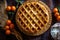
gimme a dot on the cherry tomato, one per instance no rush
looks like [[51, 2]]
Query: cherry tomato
[[55, 10], [6, 27], [8, 8], [56, 14], [58, 18], [11, 26], [13, 8], [8, 32], [8, 22]]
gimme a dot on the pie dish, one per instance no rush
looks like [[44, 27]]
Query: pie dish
[[33, 18]]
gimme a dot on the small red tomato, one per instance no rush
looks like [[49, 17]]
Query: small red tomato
[[6, 27], [56, 14], [8, 8], [8, 22], [58, 18], [13, 8], [8, 32], [11, 26], [55, 10]]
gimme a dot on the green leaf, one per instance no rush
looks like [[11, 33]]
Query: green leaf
[[17, 0], [58, 8]]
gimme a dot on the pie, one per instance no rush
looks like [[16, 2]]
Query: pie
[[33, 18]]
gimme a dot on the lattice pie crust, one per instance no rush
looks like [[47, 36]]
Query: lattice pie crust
[[33, 18]]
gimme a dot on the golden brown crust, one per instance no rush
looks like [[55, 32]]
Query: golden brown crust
[[33, 18]]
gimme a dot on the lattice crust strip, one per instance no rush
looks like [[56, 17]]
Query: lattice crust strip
[[33, 17]]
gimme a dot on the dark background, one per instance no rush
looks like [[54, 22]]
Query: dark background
[[45, 36]]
